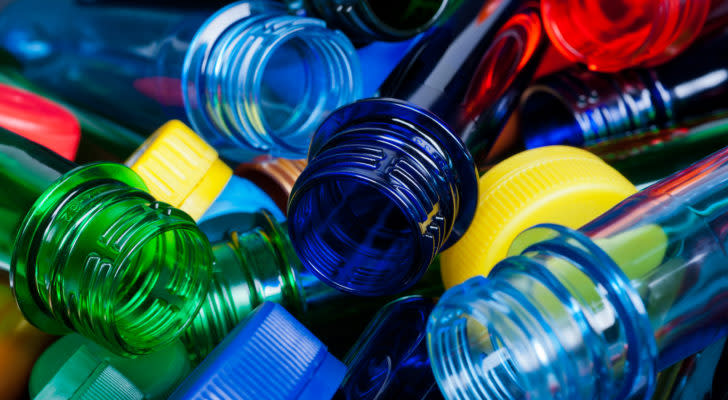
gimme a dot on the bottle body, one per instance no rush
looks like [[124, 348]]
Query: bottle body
[[380, 368], [403, 187], [582, 108], [638, 289], [471, 70], [221, 73]]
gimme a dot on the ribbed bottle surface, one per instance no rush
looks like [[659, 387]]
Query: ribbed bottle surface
[[261, 81], [109, 262], [386, 186]]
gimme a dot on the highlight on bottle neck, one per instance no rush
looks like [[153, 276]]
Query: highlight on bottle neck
[[621, 35], [373, 20], [97, 255], [387, 186], [260, 81]]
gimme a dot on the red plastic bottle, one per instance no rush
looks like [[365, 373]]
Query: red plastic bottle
[[39, 120], [610, 35]]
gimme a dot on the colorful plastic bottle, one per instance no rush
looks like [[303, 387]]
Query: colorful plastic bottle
[[609, 36], [554, 184], [471, 70], [389, 361], [39, 120], [387, 186], [581, 108], [268, 356], [77, 368], [608, 306], [275, 176], [89, 250], [250, 79], [182, 170]]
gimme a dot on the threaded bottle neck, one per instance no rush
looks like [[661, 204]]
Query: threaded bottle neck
[[564, 296], [581, 108], [258, 79], [250, 268], [402, 187], [367, 21], [102, 258]]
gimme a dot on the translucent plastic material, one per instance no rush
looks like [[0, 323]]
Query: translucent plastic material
[[387, 186], [471, 70], [581, 108], [376, 20], [613, 35], [389, 361], [90, 251], [275, 176], [594, 313], [250, 79]]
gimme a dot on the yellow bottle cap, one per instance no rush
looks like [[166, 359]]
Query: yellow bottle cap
[[179, 168], [555, 184]]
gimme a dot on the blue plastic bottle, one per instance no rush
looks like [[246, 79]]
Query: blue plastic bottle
[[386, 187], [594, 313], [389, 361], [250, 79]]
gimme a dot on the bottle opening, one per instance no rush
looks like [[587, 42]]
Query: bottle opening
[[359, 237], [407, 15]]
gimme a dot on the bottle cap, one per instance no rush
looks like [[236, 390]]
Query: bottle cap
[[270, 355], [555, 184], [179, 168], [77, 368], [39, 120]]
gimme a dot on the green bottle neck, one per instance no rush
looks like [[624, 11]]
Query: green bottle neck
[[26, 171]]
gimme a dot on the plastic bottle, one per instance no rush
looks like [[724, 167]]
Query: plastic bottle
[[89, 250], [223, 74], [607, 306], [387, 186], [609, 36], [471, 70], [389, 361], [268, 356], [275, 176], [581, 108]]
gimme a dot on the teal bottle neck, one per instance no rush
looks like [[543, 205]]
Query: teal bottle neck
[[26, 171]]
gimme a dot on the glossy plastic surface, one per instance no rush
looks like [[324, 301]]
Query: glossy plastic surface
[[581, 108], [389, 361], [471, 70], [275, 176], [77, 368], [387, 186], [629, 294], [268, 356], [39, 120], [89, 250], [174, 68], [613, 35]]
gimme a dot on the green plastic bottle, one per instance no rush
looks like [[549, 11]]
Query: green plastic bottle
[[89, 250]]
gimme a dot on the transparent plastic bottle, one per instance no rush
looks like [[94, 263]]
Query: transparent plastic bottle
[[594, 313], [613, 35], [89, 250], [250, 78]]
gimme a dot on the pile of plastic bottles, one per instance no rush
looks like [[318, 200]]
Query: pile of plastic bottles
[[328, 199]]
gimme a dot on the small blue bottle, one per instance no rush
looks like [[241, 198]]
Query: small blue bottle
[[389, 361], [250, 79], [594, 313], [387, 186]]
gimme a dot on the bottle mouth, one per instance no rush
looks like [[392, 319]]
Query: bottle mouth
[[386, 188], [280, 77], [402, 19], [97, 255]]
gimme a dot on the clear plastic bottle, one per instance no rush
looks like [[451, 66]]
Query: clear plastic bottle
[[250, 78]]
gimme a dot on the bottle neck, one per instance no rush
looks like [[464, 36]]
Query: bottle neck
[[26, 171], [233, 72]]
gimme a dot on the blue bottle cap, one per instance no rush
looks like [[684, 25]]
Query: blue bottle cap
[[271, 356]]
